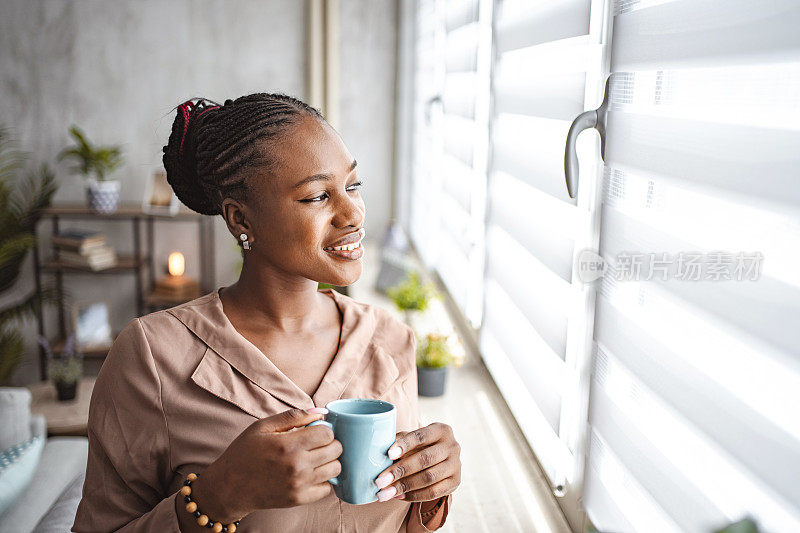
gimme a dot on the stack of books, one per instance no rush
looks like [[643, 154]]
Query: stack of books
[[84, 248]]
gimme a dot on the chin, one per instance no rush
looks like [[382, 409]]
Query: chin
[[349, 280], [343, 279]]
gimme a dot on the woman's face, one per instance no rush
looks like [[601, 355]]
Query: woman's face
[[293, 219]]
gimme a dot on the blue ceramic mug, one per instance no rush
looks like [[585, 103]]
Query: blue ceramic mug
[[366, 429]]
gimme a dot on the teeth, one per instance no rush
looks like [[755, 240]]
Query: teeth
[[347, 247]]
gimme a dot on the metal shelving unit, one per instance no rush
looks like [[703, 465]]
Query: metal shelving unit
[[134, 263]]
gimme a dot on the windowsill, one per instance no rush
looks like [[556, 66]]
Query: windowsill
[[502, 487]]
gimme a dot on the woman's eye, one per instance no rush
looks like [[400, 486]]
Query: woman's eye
[[322, 196], [316, 198]]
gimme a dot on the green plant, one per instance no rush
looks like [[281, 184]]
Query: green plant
[[68, 367], [21, 204], [411, 294], [745, 525], [434, 351], [97, 160], [66, 371]]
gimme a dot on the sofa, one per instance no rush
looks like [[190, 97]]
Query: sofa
[[49, 500]]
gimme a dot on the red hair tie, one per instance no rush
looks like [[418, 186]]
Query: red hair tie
[[186, 109]]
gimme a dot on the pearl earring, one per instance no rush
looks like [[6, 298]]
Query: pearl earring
[[245, 242]]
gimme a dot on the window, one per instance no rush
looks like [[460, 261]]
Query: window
[[448, 188], [696, 389], [657, 401]]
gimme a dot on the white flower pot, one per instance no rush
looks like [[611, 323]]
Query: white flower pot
[[102, 196]]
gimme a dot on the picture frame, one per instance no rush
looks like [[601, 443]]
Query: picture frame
[[91, 322], [159, 198]]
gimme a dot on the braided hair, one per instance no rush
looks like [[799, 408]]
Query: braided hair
[[211, 145]]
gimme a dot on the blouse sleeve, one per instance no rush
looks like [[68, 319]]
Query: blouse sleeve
[[128, 444], [433, 520]]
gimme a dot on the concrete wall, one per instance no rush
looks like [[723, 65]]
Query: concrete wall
[[366, 94], [117, 68]]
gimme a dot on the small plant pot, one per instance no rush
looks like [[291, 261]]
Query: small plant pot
[[430, 381], [102, 196], [66, 391]]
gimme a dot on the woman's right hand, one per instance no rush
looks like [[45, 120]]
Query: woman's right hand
[[274, 462]]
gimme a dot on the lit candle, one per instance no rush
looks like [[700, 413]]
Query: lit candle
[[176, 264]]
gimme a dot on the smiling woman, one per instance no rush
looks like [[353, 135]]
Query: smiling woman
[[198, 415]]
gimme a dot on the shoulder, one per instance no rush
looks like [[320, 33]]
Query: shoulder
[[390, 331], [149, 332], [391, 336], [396, 339], [152, 339], [168, 326]]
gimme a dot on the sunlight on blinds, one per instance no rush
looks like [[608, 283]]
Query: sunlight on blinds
[[544, 52], [696, 384], [698, 482], [453, 63]]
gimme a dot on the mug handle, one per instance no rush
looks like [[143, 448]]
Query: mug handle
[[334, 480]]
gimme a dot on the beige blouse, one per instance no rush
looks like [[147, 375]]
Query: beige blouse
[[179, 385]]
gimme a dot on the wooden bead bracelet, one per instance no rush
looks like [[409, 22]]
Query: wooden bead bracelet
[[203, 520]]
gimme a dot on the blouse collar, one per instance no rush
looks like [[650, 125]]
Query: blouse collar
[[205, 317]]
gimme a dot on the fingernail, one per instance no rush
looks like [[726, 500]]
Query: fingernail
[[394, 452], [384, 480], [387, 494], [317, 410]]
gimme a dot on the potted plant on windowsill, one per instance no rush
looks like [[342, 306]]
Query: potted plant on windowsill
[[95, 164], [412, 298], [65, 371], [435, 354]]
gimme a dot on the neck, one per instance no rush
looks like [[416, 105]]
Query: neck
[[274, 300]]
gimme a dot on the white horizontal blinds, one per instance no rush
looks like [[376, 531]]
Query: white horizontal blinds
[[543, 52], [462, 161], [696, 389], [426, 181], [449, 179]]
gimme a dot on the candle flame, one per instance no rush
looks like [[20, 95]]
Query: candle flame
[[176, 264]]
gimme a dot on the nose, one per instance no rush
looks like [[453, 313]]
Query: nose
[[348, 211]]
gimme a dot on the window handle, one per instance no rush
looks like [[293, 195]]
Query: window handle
[[436, 99], [595, 118]]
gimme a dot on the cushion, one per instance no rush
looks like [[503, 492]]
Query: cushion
[[17, 466], [61, 516], [63, 459], [15, 412]]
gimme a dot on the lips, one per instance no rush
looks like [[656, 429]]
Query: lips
[[347, 239]]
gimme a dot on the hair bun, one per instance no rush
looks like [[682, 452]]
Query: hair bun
[[180, 160], [228, 102]]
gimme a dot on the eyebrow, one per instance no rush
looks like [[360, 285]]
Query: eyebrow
[[322, 177]]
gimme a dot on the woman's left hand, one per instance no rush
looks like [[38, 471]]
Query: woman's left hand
[[427, 465]]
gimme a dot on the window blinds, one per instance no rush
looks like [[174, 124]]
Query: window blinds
[[425, 182], [695, 399], [545, 53], [454, 58]]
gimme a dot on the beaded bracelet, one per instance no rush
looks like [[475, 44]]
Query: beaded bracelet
[[202, 519]]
